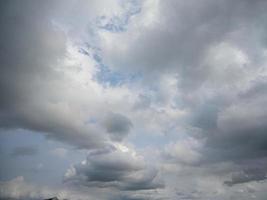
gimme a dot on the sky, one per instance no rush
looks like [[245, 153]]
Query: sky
[[133, 99]]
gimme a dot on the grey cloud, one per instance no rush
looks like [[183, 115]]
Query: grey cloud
[[217, 53], [216, 50], [31, 86], [183, 152], [25, 151], [143, 102], [249, 170], [175, 45], [117, 125], [141, 196], [17, 188], [247, 176], [241, 126], [118, 169], [20, 189]]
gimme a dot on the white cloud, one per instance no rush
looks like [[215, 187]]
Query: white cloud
[[183, 151]]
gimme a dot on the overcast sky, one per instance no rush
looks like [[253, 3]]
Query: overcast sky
[[133, 99]]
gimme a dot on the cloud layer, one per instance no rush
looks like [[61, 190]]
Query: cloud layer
[[166, 97]]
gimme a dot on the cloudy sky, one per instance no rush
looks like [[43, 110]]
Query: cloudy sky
[[133, 99]]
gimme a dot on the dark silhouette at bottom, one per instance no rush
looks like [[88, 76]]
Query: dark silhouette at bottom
[[54, 198]]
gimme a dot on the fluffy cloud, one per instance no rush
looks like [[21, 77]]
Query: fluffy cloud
[[46, 84], [169, 43], [117, 167], [180, 84]]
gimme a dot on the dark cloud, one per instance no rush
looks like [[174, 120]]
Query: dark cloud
[[240, 130], [31, 85], [249, 170], [247, 176], [25, 151], [117, 125], [116, 168]]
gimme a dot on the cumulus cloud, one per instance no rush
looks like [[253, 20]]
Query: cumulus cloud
[[180, 85], [46, 84], [117, 167], [218, 55], [27, 73], [168, 43]]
